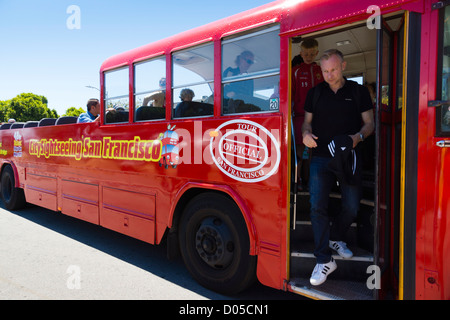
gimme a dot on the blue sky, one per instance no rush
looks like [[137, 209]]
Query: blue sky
[[40, 54]]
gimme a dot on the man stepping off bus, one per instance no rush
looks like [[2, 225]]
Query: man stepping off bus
[[338, 116]]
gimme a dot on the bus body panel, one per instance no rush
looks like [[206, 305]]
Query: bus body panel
[[433, 200], [112, 176]]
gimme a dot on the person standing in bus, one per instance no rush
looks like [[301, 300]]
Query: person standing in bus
[[338, 116], [305, 76], [93, 112]]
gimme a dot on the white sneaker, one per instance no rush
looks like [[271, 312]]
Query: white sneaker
[[321, 271], [341, 248]]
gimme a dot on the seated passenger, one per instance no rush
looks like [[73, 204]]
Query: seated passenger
[[116, 114], [158, 97], [187, 95], [93, 112], [236, 90]]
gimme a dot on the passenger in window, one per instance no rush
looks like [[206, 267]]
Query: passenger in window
[[157, 97], [236, 90], [304, 76], [187, 95], [93, 112], [208, 99]]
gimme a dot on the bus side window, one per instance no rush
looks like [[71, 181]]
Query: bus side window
[[443, 81], [251, 72], [193, 82], [116, 96], [150, 90]]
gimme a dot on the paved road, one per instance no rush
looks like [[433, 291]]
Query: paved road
[[47, 255]]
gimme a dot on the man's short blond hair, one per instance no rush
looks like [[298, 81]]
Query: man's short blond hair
[[332, 52]]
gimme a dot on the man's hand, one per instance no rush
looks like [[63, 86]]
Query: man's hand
[[309, 140], [356, 139]]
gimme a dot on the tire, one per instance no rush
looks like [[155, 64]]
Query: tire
[[13, 198], [214, 244]]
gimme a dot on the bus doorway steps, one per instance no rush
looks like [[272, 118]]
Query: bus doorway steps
[[351, 274], [348, 281], [303, 262], [331, 289], [361, 233]]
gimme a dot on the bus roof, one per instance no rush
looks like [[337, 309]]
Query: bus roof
[[316, 12]]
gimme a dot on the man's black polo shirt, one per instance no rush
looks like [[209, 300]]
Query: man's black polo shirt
[[338, 113]]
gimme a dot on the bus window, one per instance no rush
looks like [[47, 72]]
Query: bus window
[[116, 96], [193, 82], [150, 89], [250, 72], [443, 121]]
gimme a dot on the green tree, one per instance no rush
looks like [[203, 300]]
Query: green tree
[[73, 112], [27, 107], [3, 107]]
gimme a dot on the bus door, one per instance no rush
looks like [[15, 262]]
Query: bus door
[[374, 56], [359, 46], [402, 186], [388, 132]]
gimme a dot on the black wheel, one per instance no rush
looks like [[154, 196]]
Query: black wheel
[[12, 197], [215, 245]]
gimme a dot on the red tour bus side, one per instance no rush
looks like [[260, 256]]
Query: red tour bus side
[[196, 145]]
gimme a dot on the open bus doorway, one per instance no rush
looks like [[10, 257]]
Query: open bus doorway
[[374, 59]]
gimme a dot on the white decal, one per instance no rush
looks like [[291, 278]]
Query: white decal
[[17, 145], [245, 151]]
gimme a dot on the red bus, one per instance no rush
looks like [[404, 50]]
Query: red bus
[[229, 203]]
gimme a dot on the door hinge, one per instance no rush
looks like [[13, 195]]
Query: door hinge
[[437, 103]]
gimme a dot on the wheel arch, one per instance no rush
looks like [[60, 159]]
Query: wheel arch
[[191, 190], [14, 169]]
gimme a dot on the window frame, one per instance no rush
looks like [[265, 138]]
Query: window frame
[[210, 83], [272, 72], [163, 59], [107, 98]]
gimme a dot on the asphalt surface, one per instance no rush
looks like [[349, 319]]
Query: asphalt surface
[[45, 255]]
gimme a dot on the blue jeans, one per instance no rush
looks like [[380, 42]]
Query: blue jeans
[[321, 182]]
